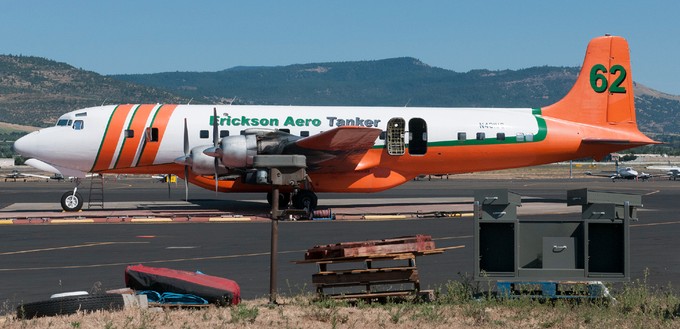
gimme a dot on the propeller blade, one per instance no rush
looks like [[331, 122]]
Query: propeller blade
[[215, 142], [186, 138], [186, 183], [186, 157]]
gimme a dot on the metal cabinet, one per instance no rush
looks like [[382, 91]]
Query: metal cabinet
[[594, 246]]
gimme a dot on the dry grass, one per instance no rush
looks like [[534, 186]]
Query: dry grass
[[637, 307]]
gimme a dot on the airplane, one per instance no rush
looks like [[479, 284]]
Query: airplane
[[347, 149], [673, 172], [622, 173], [19, 175]]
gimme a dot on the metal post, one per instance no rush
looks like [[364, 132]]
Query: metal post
[[274, 245]]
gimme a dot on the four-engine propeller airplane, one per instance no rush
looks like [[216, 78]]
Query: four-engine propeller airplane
[[347, 149]]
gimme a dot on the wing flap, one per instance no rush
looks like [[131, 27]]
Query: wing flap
[[339, 149]]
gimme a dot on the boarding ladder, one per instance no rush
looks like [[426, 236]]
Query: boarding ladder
[[96, 192]]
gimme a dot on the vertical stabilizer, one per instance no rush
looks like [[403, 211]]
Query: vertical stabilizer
[[603, 92]]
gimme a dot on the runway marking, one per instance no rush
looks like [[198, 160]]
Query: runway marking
[[66, 247], [176, 260], [653, 192], [655, 224]]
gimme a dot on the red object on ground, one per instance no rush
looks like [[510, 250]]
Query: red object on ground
[[214, 289]]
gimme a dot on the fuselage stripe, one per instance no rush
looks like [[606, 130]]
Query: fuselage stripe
[[131, 144], [107, 148], [160, 121]]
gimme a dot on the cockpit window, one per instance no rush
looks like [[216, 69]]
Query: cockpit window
[[78, 125], [62, 122]]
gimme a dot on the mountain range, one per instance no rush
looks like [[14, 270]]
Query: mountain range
[[35, 91]]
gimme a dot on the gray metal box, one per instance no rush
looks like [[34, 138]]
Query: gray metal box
[[499, 212], [585, 196], [497, 197], [606, 211]]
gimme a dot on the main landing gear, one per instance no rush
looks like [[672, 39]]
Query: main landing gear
[[302, 199]]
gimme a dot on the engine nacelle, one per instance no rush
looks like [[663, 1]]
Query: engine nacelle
[[238, 151], [202, 164]]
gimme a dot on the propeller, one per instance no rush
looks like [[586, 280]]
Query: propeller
[[215, 143], [186, 158]]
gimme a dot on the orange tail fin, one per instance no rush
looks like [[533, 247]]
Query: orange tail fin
[[603, 92]]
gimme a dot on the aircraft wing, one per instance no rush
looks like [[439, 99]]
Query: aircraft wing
[[36, 176], [339, 149]]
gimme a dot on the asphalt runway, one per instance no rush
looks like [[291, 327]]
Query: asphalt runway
[[39, 260]]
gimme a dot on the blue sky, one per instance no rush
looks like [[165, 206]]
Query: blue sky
[[112, 37]]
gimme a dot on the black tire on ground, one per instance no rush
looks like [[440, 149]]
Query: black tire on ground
[[305, 199], [70, 305], [71, 202], [284, 199]]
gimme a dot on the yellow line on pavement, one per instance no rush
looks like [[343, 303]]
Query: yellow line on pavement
[[71, 221], [150, 220], [229, 219]]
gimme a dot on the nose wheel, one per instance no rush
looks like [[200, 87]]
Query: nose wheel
[[71, 201]]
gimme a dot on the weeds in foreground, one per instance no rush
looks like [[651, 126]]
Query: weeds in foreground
[[244, 314]]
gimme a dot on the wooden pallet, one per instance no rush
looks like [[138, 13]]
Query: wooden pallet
[[418, 243]]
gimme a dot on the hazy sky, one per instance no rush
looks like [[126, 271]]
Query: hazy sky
[[125, 36]]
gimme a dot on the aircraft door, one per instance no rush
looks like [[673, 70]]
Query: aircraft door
[[417, 137], [395, 136]]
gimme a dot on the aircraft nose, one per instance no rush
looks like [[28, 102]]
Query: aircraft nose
[[26, 146]]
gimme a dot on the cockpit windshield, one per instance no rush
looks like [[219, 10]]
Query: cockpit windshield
[[63, 122]]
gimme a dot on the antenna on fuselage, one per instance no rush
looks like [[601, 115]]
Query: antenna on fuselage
[[189, 102], [409, 101], [104, 102]]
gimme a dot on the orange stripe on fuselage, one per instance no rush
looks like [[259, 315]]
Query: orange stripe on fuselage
[[111, 137], [138, 124], [150, 149]]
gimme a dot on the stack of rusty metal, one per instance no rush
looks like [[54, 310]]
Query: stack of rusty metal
[[418, 244], [374, 281]]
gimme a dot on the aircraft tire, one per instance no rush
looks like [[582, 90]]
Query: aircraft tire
[[305, 199], [70, 305], [71, 202]]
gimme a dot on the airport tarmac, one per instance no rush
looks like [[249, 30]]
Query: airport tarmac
[[42, 259]]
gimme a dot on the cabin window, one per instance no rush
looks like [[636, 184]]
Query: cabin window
[[78, 124], [520, 137], [151, 134], [285, 130], [417, 136], [500, 136], [224, 133], [242, 132], [304, 133], [129, 133], [395, 136], [462, 136], [480, 136], [383, 135], [529, 137], [204, 134]]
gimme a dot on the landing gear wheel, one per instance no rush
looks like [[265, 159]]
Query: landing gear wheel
[[284, 199], [71, 201], [305, 199]]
